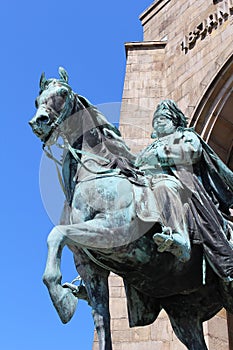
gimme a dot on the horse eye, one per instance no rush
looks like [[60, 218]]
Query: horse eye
[[59, 103], [63, 92]]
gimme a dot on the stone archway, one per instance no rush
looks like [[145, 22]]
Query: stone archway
[[213, 117], [213, 120]]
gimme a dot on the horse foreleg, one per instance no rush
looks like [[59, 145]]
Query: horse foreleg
[[63, 299], [98, 293], [102, 324]]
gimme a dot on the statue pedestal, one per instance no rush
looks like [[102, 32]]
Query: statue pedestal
[[159, 335]]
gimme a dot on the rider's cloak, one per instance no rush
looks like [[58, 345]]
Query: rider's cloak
[[208, 185], [211, 187]]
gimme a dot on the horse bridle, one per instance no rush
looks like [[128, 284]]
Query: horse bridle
[[70, 98], [60, 117]]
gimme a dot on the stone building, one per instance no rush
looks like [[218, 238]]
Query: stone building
[[186, 55]]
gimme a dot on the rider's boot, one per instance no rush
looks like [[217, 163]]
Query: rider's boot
[[172, 242]]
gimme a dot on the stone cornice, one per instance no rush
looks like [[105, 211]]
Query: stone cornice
[[145, 45], [152, 10]]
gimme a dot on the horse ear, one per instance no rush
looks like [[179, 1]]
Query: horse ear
[[63, 74], [42, 81]]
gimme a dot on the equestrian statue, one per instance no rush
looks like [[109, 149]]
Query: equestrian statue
[[159, 219]]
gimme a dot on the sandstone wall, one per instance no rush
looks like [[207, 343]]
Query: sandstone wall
[[159, 68]]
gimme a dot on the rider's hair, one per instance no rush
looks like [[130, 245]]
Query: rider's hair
[[172, 111]]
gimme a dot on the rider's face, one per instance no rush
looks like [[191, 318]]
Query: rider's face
[[163, 125]]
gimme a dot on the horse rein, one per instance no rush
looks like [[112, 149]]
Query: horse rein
[[55, 124]]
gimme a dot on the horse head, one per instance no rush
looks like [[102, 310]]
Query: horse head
[[55, 103], [62, 112]]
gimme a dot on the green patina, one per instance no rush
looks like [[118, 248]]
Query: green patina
[[150, 218]]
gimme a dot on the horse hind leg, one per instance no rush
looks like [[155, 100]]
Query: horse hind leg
[[189, 332], [188, 328], [226, 293]]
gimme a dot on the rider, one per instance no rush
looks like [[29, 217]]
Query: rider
[[203, 183], [169, 192]]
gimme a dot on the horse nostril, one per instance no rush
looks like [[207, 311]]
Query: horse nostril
[[42, 119]]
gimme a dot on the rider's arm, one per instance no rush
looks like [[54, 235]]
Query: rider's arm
[[148, 156], [184, 149]]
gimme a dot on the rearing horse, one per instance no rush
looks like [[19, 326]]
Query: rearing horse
[[107, 231]]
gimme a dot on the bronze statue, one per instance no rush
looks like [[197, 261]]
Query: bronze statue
[[115, 220], [203, 183]]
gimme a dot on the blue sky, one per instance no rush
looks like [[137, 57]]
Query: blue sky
[[87, 38]]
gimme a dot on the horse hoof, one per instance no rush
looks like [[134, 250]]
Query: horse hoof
[[64, 302], [67, 306]]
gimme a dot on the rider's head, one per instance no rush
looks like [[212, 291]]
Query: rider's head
[[167, 117]]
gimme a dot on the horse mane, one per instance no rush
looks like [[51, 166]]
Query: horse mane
[[116, 149]]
